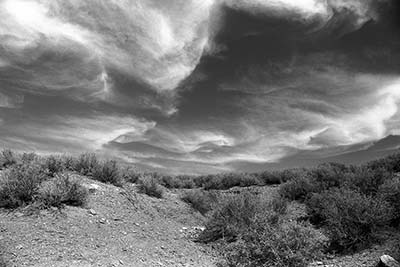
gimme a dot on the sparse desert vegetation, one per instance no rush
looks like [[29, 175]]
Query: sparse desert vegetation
[[3, 262], [149, 185], [28, 183], [309, 213], [63, 189], [201, 200]]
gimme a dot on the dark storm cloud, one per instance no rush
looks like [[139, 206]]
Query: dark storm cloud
[[197, 85], [287, 86]]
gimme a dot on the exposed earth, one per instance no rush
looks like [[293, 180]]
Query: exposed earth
[[115, 228], [119, 227]]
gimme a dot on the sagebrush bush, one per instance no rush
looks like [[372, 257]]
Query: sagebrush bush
[[366, 180], [390, 192], [68, 162], [179, 181], [19, 184], [279, 204], [202, 201], [130, 175], [390, 163], [149, 185], [7, 158], [86, 163], [396, 249], [225, 181], [273, 243], [27, 158], [107, 172], [297, 189], [53, 165], [62, 190], [269, 178], [328, 175], [3, 262], [350, 218], [233, 214]]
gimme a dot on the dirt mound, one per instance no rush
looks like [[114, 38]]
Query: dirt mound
[[118, 227]]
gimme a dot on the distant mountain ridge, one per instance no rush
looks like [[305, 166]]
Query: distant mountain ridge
[[354, 154]]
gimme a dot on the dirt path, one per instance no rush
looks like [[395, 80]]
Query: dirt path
[[110, 231]]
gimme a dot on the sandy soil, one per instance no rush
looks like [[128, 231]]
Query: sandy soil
[[116, 228], [119, 227]]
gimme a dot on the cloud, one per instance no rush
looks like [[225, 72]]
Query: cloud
[[302, 8], [312, 102], [158, 43], [144, 38], [354, 12], [72, 134], [195, 83], [10, 101]]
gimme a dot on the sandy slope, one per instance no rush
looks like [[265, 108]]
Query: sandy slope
[[111, 231], [121, 228]]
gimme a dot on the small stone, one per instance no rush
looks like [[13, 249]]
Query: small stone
[[92, 212], [387, 261], [18, 214], [92, 188]]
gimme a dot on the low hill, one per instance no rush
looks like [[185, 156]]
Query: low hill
[[117, 227], [351, 154]]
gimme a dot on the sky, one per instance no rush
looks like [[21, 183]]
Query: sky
[[198, 86]]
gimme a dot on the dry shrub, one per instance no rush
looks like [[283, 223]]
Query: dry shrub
[[62, 190], [297, 189], [27, 158], [149, 185], [107, 172], [179, 181], [86, 163], [256, 233], [275, 243], [390, 192], [19, 184], [234, 214], [200, 200], [225, 181], [129, 174], [7, 158], [53, 165], [350, 218], [279, 204]]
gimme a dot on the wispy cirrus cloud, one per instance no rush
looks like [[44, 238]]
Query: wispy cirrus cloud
[[142, 38], [10, 101], [71, 134], [193, 84]]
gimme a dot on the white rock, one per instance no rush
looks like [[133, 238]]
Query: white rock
[[92, 188], [387, 261], [92, 212]]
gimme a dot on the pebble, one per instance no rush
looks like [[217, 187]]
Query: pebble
[[92, 212]]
